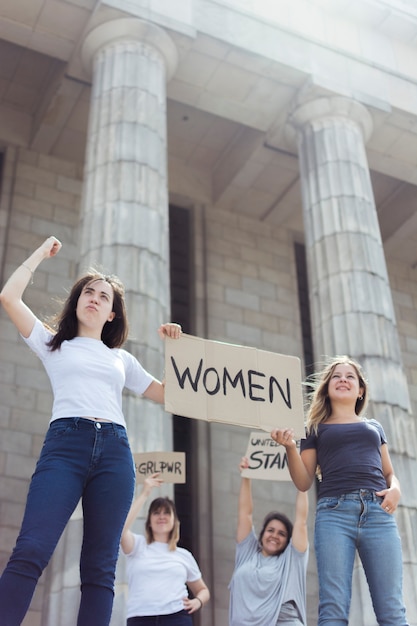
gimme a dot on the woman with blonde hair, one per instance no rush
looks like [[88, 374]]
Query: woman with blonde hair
[[358, 493]]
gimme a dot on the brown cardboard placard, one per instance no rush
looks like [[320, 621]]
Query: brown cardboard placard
[[267, 458], [170, 465], [231, 384]]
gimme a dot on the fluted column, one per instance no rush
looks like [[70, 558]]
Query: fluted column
[[350, 295], [124, 221]]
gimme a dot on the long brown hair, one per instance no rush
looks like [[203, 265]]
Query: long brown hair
[[114, 333], [168, 506], [320, 406]]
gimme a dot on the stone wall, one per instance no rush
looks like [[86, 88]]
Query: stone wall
[[41, 196]]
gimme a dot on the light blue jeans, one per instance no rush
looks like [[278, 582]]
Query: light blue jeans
[[346, 524], [79, 459]]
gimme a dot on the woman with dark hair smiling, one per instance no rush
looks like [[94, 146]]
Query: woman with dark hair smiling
[[86, 452], [268, 585]]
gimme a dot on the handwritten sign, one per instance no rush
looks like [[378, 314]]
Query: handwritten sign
[[222, 382], [267, 459], [170, 465]]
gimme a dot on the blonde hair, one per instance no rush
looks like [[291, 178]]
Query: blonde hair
[[320, 407]]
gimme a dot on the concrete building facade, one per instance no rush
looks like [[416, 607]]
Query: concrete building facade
[[249, 169]]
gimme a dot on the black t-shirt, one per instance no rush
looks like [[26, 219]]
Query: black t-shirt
[[349, 456]]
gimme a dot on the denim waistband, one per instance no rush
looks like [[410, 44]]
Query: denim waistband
[[86, 424], [359, 494]]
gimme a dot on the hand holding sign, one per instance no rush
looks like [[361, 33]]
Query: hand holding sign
[[171, 329], [284, 436], [244, 463], [152, 481], [265, 459]]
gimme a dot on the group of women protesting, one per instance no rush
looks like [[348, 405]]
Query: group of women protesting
[[86, 456]]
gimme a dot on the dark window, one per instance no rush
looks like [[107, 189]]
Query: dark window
[[180, 240], [304, 304]]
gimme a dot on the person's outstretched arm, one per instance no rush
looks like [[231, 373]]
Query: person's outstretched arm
[[127, 540], [245, 506], [156, 390], [11, 295], [300, 530], [302, 466]]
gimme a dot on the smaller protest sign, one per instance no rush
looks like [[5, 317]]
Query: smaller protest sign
[[267, 458], [170, 465]]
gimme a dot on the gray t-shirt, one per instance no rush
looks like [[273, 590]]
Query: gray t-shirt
[[260, 585]]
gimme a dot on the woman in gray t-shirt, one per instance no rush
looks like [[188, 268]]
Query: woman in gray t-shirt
[[268, 585]]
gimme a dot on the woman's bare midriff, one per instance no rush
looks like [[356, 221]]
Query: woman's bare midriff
[[95, 419]]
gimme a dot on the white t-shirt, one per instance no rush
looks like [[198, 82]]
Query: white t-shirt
[[157, 578], [87, 377]]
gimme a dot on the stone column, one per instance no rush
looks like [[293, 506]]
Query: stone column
[[124, 216], [124, 231], [350, 295]]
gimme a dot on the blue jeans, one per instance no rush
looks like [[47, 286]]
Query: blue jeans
[[182, 618], [79, 459], [346, 524]]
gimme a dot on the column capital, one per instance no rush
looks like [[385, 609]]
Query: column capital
[[132, 29], [330, 108]]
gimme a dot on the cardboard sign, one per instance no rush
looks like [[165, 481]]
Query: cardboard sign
[[222, 382], [170, 465], [267, 459]]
